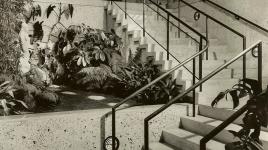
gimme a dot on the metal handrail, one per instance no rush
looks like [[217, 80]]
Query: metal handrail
[[173, 24], [238, 17], [225, 26], [213, 73], [215, 20], [225, 123], [182, 64], [177, 19]]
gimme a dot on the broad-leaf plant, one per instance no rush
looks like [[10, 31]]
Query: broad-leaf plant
[[255, 117]]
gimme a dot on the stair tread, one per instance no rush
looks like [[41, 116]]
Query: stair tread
[[220, 114], [193, 138], [160, 146], [214, 123]]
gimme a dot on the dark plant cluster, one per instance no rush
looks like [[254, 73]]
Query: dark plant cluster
[[255, 117], [25, 94]]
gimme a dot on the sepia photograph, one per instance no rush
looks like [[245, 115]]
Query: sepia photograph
[[133, 75]]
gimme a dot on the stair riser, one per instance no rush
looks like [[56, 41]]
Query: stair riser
[[204, 129], [179, 142]]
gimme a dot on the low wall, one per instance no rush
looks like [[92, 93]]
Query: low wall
[[84, 130]]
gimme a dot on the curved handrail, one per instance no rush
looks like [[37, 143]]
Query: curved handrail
[[237, 16], [225, 123], [174, 100]]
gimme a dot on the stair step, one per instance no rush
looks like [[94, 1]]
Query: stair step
[[203, 125], [160, 146], [220, 114], [186, 140]]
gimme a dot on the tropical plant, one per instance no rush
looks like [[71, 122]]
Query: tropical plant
[[20, 96], [66, 10], [82, 47], [255, 117], [138, 74]]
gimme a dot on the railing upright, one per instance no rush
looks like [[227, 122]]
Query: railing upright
[[194, 89], [244, 58], [207, 36], [260, 63], [143, 18], [179, 14], [113, 128], [125, 9], [200, 61], [167, 36]]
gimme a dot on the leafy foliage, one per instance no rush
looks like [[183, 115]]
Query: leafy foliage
[[243, 88], [95, 78], [83, 47], [135, 76], [17, 97], [9, 29], [255, 117]]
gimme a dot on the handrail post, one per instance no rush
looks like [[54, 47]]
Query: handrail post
[[113, 128], [157, 9], [260, 63], [200, 62], [143, 18], [203, 145], [146, 135], [179, 16], [194, 89], [125, 9], [167, 36], [244, 58], [207, 36]]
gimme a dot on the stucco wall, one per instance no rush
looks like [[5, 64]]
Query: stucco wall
[[84, 130], [89, 12], [256, 11]]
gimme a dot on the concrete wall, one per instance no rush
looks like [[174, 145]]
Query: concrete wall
[[89, 12], [84, 130]]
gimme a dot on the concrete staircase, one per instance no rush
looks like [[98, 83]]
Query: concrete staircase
[[191, 130]]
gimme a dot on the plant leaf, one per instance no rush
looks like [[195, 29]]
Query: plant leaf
[[254, 84], [79, 61], [5, 83], [235, 98], [84, 62], [234, 133], [38, 10], [50, 9], [22, 103], [244, 90], [71, 9], [218, 98], [102, 56]]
